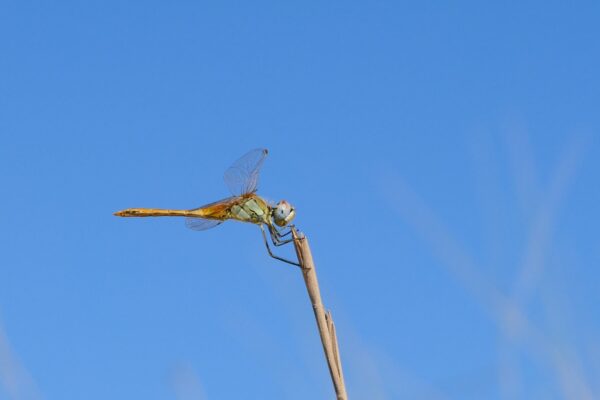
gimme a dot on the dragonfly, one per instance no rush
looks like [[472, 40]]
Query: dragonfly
[[244, 205]]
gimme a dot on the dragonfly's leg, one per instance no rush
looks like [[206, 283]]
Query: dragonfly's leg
[[276, 237], [289, 231], [271, 253], [278, 233], [274, 233], [282, 242]]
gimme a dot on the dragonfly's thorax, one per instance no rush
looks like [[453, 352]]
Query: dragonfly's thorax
[[253, 209]]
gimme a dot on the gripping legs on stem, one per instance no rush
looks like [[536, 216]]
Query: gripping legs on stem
[[277, 237], [276, 244], [279, 234]]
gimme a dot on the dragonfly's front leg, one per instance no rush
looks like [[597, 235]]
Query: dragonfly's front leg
[[289, 231], [277, 233], [269, 248], [276, 236]]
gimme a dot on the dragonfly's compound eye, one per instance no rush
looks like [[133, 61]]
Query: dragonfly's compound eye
[[284, 213]]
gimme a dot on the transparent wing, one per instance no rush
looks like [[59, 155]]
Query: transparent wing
[[201, 224], [242, 176]]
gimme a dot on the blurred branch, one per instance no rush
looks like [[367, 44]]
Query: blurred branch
[[507, 311], [15, 380], [324, 320]]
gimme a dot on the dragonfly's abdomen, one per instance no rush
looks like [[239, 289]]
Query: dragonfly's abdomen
[[152, 212]]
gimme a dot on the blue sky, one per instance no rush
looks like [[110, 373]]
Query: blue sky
[[443, 160]]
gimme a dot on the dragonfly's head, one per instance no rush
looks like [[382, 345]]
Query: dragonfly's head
[[283, 213]]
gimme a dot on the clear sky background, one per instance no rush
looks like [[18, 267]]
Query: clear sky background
[[443, 160]]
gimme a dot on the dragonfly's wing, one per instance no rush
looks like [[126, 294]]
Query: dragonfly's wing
[[201, 224], [269, 201], [216, 213], [242, 176]]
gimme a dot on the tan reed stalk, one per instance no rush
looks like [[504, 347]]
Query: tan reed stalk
[[324, 319]]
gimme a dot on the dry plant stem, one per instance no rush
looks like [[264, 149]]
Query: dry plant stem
[[324, 320]]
